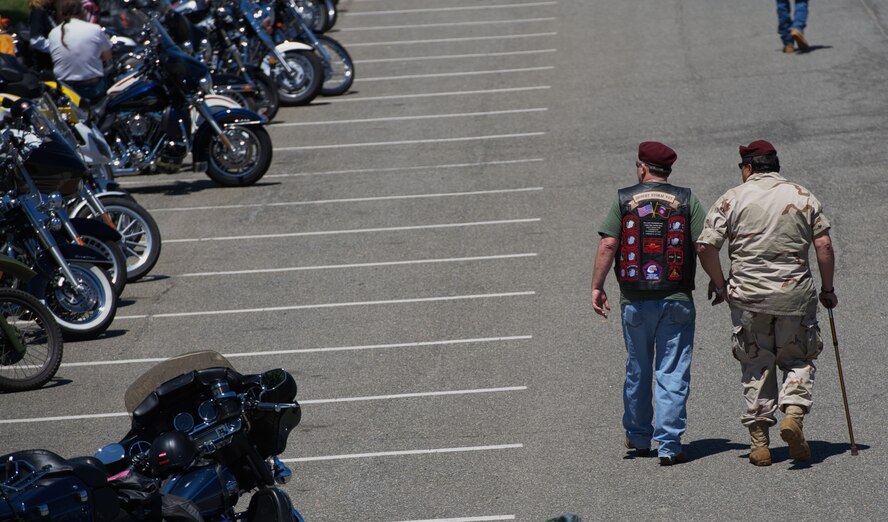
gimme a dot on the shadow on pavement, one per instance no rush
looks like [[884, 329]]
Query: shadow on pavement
[[820, 451], [183, 188], [813, 48], [55, 382], [699, 449]]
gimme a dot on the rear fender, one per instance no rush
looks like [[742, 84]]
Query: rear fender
[[223, 117]]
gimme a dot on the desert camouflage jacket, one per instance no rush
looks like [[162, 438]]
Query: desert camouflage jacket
[[769, 223]]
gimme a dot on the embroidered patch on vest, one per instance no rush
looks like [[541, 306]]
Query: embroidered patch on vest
[[652, 271], [663, 211], [629, 271], [652, 245], [674, 256], [674, 273], [675, 240]]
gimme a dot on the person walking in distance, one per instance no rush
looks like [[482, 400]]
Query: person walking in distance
[[650, 231], [791, 26], [770, 223]]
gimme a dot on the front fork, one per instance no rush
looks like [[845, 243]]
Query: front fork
[[204, 111], [49, 243]]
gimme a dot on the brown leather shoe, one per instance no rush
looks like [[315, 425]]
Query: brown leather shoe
[[791, 432], [788, 48], [760, 456], [800, 39], [639, 452], [679, 458]]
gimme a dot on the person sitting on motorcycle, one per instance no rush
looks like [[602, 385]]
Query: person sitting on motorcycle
[[78, 50]]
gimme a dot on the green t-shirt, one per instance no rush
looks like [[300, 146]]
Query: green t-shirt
[[612, 225]]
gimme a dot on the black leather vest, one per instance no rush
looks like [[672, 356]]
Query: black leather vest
[[656, 249]]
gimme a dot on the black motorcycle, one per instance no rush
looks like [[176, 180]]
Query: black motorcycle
[[203, 436], [147, 120], [71, 279]]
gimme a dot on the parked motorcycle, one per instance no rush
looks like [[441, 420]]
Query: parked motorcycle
[[30, 339], [146, 118], [339, 70], [203, 436], [71, 281]]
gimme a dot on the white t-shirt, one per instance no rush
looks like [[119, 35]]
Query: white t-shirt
[[81, 60]]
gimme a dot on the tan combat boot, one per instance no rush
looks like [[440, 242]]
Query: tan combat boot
[[759, 453], [791, 432]]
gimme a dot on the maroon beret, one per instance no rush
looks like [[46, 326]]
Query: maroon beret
[[757, 148], [655, 153]]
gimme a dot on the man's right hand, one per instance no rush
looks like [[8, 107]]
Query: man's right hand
[[829, 299], [599, 302]]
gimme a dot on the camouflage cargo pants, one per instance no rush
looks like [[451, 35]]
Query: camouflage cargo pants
[[763, 343]]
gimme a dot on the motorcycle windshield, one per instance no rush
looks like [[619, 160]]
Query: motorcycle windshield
[[168, 369]]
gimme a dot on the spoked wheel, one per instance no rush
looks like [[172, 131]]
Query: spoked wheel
[[266, 95], [30, 342], [304, 83], [246, 162], [85, 308], [339, 71], [141, 237]]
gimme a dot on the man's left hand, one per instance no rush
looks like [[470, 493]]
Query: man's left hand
[[719, 294]]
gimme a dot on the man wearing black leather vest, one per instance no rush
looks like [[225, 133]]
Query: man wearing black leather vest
[[648, 237]]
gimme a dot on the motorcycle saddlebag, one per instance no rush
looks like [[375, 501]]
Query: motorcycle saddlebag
[[270, 505], [57, 489]]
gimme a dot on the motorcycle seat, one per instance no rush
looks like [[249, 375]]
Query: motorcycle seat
[[39, 458], [90, 470]]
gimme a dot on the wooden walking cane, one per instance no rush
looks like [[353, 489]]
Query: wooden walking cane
[[832, 326]]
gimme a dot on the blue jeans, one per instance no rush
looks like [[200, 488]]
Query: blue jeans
[[785, 21], [659, 337]]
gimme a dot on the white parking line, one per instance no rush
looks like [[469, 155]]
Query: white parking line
[[412, 142], [410, 118], [436, 94], [315, 401], [416, 395], [405, 452], [296, 351], [454, 40], [352, 14], [466, 519], [355, 231], [448, 24], [351, 200], [328, 305], [165, 181], [359, 265], [455, 56], [457, 74]]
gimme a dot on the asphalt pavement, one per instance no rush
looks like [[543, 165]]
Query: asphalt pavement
[[419, 257]]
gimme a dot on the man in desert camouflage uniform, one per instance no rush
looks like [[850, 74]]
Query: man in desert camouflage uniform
[[770, 224]]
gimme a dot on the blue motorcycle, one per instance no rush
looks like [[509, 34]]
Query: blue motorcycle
[[203, 436], [155, 115]]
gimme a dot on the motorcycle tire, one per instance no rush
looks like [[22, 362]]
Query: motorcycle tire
[[332, 14], [113, 251], [339, 71], [307, 85], [34, 325], [245, 165], [266, 97], [141, 237], [81, 315]]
